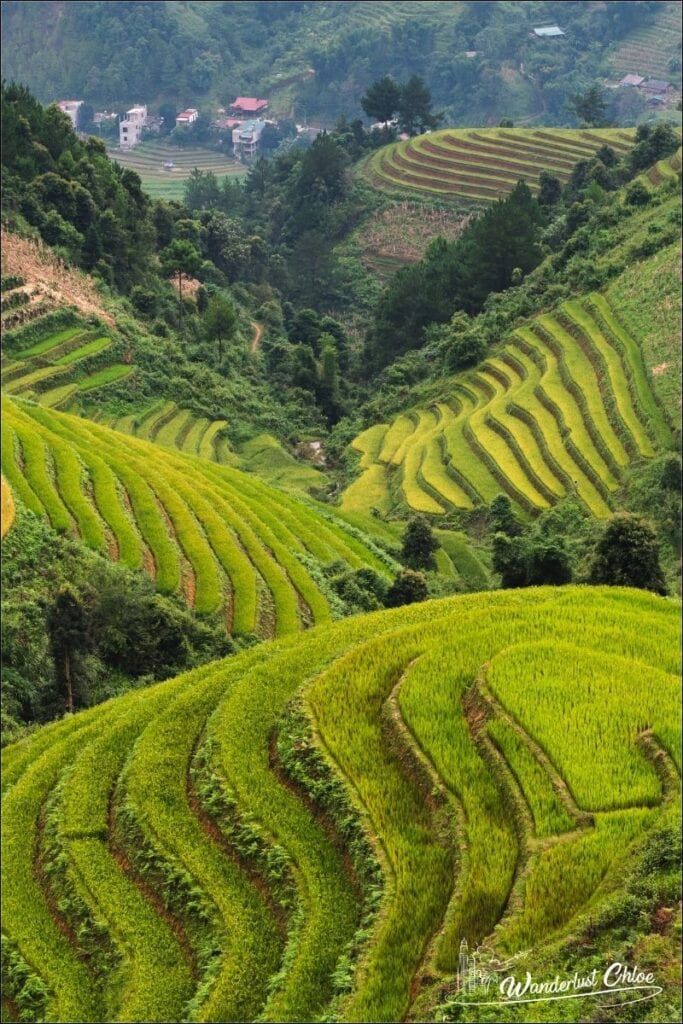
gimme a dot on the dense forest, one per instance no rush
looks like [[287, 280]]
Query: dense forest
[[481, 60]]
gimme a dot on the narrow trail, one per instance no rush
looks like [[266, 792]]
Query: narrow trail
[[256, 338]]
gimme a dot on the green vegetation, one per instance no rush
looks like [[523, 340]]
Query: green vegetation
[[160, 182], [430, 751], [480, 165], [220, 538]]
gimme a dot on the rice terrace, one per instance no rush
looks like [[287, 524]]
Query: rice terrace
[[164, 169], [194, 879]]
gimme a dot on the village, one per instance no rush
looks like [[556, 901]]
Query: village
[[245, 123]]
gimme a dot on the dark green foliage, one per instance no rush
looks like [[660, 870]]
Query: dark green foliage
[[419, 544], [93, 209], [590, 107], [78, 629], [501, 517], [627, 555], [653, 144], [361, 590], [381, 100], [526, 561], [511, 560], [550, 189], [637, 194], [415, 114], [494, 250], [408, 588], [220, 322]]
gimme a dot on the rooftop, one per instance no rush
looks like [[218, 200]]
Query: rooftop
[[548, 30], [657, 85], [632, 80], [249, 103]]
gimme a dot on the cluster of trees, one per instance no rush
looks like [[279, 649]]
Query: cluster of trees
[[625, 553], [87, 50], [77, 629], [410, 104], [91, 209], [496, 250]]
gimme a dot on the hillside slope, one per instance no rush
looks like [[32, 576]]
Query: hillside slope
[[481, 165], [232, 843], [229, 544]]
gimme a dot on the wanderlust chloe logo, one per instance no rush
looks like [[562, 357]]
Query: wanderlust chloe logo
[[490, 985]]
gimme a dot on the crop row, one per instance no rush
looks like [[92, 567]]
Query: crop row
[[212, 533], [562, 408], [432, 754], [485, 164]]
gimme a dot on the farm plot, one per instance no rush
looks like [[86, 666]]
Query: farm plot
[[563, 407], [648, 50], [227, 543], [479, 166], [164, 169], [308, 830], [55, 365]]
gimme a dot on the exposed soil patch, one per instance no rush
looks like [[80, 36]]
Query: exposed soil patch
[[47, 275]]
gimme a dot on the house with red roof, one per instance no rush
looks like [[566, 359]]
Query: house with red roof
[[187, 117], [248, 105]]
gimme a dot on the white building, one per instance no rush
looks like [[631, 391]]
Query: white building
[[246, 138], [130, 129], [187, 117], [71, 108]]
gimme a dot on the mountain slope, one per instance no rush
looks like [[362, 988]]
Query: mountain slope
[[229, 544], [226, 845]]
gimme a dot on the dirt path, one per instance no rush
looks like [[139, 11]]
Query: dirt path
[[256, 338]]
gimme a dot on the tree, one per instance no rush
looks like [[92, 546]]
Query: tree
[[180, 257], [627, 555], [590, 107], [167, 112], [408, 588], [549, 563], [511, 560], [502, 518], [220, 322], [382, 99], [67, 624], [415, 113], [550, 189], [419, 544], [328, 389]]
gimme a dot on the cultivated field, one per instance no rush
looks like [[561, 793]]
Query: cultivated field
[[229, 544], [648, 50], [148, 160], [562, 408], [227, 845], [54, 357], [480, 165]]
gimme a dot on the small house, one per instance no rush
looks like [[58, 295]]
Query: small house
[[631, 81], [71, 108], [249, 106], [548, 31], [656, 87], [186, 117], [130, 128], [246, 138]]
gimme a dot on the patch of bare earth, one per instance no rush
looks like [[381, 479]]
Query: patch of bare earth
[[47, 276]]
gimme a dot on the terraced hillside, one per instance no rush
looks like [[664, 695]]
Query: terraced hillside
[[53, 364], [563, 407], [481, 165], [148, 159], [226, 845], [649, 50], [663, 170], [8, 510], [229, 544]]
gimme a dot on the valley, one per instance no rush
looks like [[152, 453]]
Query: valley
[[341, 512]]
